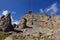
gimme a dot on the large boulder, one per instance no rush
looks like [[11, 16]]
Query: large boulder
[[26, 20], [5, 23]]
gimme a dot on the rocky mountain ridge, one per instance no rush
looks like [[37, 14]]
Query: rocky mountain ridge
[[32, 26], [42, 20]]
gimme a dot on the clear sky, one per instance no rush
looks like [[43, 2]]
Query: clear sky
[[18, 8]]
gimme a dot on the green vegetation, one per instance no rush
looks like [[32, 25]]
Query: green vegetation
[[36, 38], [15, 37], [21, 38], [3, 35], [41, 38]]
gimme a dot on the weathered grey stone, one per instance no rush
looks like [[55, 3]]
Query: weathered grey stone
[[5, 23]]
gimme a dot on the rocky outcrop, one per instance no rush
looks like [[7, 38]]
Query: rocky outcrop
[[33, 26], [26, 20], [5, 23], [40, 23], [41, 20]]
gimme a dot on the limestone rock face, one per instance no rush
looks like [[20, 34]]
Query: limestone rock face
[[29, 18], [41, 23], [5, 23], [26, 20], [35, 19], [41, 20], [55, 20]]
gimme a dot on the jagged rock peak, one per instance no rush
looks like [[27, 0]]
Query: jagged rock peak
[[5, 23]]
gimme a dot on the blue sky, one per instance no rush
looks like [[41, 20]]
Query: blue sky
[[18, 8]]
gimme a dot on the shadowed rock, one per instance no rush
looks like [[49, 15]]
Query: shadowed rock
[[5, 23], [18, 31], [24, 24]]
